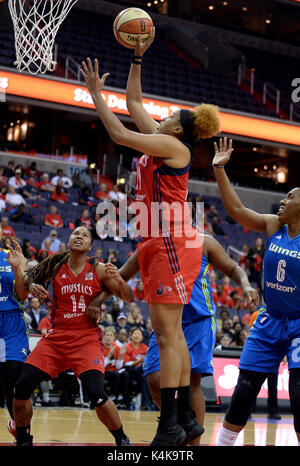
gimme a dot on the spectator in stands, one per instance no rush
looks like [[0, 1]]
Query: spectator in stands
[[147, 332], [2, 205], [31, 262], [122, 337], [9, 170], [30, 190], [212, 213], [6, 242], [7, 230], [36, 313], [45, 322], [223, 315], [3, 191], [43, 253], [3, 178], [116, 376], [84, 219], [45, 248], [32, 170], [45, 184], [135, 318], [227, 288], [101, 193], [239, 338], [217, 229], [14, 199], [255, 256], [121, 323], [59, 195], [26, 247], [86, 196], [225, 341], [243, 259], [20, 214], [17, 181], [219, 336], [62, 247], [105, 319], [236, 303], [76, 180], [113, 258], [99, 254], [220, 296], [86, 177], [54, 241], [139, 292], [207, 227], [133, 359], [227, 328], [66, 181], [53, 219], [115, 194]]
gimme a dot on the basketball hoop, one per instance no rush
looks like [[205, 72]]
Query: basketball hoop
[[36, 23]]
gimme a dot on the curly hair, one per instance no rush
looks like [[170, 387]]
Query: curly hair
[[206, 121], [45, 271]]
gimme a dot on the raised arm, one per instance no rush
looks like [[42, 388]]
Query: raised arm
[[134, 97], [115, 284], [159, 145], [263, 223]]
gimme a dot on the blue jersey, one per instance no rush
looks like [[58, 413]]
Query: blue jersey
[[201, 303], [281, 288], [8, 298]]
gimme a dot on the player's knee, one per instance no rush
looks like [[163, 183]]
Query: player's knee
[[153, 381], [248, 386], [24, 388], [93, 382], [294, 391]]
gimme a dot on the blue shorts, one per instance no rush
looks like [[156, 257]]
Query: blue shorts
[[270, 339], [200, 337], [14, 342]]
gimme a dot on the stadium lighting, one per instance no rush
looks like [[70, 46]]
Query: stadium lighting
[[211, 7]]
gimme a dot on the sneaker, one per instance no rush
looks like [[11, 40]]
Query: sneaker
[[28, 442], [169, 437], [192, 429], [11, 425], [125, 442]]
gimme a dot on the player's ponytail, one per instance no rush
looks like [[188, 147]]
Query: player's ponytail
[[45, 271], [201, 123]]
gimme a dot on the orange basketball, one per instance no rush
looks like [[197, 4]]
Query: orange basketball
[[129, 24]]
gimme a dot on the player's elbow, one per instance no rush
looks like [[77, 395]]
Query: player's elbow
[[119, 136]]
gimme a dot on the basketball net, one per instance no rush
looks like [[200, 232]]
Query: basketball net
[[36, 23]]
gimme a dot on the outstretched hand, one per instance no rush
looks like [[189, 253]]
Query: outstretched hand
[[91, 76], [15, 255], [222, 152], [142, 47]]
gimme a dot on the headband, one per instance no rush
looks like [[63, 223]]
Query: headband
[[187, 123]]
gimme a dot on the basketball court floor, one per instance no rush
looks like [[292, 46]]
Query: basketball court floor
[[80, 427]]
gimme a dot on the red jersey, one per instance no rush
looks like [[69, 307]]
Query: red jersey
[[71, 296], [133, 354], [159, 184]]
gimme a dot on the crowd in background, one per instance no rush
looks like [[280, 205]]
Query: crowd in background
[[126, 329]]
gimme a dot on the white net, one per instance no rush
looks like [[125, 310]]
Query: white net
[[36, 23]]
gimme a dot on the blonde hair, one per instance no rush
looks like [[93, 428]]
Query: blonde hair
[[206, 121]]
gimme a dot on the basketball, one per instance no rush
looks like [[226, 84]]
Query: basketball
[[130, 23]]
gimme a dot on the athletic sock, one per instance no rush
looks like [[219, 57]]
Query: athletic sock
[[23, 433], [184, 404], [118, 434], [226, 438], [168, 411]]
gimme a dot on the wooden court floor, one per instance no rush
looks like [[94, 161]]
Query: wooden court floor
[[80, 427]]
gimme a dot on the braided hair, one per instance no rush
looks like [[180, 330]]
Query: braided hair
[[45, 271]]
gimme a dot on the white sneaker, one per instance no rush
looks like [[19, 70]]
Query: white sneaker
[[11, 426]]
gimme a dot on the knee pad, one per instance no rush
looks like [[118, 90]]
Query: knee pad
[[248, 386], [93, 382], [28, 380], [294, 391]]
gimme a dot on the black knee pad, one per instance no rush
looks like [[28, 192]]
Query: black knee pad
[[248, 386], [93, 382], [28, 380], [294, 391]]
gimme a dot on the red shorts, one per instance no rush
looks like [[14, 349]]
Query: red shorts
[[60, 350], [169, 267]]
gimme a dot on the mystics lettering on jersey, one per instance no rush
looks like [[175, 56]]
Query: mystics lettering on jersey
[[71, 296], [282, 274]]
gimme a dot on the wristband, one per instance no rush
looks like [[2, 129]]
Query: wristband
[[136, 59], [218, 165]]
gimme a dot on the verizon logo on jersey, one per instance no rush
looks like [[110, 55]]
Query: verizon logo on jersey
[[77, 287]]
